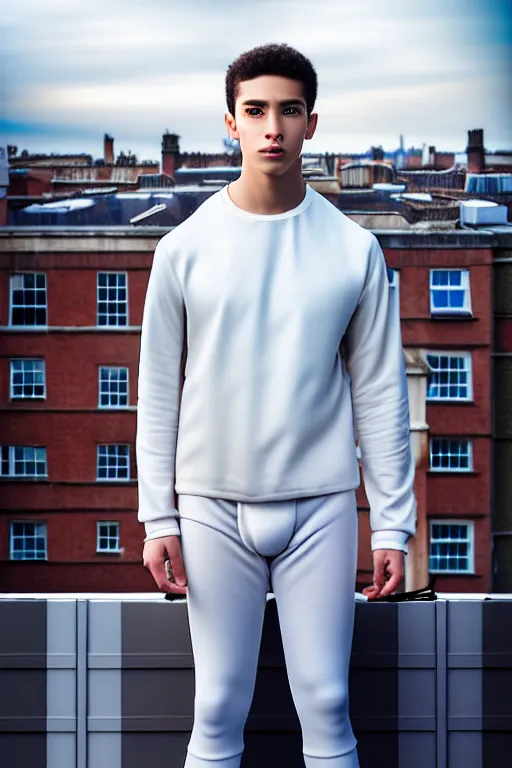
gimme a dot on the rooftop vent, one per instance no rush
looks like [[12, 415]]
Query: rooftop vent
[[482, 213]]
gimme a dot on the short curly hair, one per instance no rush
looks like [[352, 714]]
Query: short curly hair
[[272, 59]]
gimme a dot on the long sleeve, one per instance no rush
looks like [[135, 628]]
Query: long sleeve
[[161, 346], [376, 365]]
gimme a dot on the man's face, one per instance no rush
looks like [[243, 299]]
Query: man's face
[[271, 110]]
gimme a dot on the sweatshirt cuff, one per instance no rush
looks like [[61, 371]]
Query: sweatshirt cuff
[[157, 529], [389, 540]]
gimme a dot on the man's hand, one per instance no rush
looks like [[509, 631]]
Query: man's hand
[[388, 572], [154, 555]]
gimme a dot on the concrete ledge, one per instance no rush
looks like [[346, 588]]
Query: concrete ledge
[[145, 238]]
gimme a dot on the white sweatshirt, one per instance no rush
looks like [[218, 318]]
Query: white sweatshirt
[[289, 336]]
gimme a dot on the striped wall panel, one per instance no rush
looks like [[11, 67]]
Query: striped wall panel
[[109, 683]]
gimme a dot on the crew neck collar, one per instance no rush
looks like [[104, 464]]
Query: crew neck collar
[[305, 203]]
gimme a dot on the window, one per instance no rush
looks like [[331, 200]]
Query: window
[[113, 462], [23, 461], [27, 379], [108, 537], [112, 298], [451, 455], [451, 546], [113, 387], [450, 292], [28, 541], [450, 377], [28, 298]]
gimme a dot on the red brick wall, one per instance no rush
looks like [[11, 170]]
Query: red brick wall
[[71, 438], [168, 164], [72, 379], [35, 182], [444, 160], [75, 577], [69, 423], [72, 534], [71, 283], [451, 495], [414, 162]]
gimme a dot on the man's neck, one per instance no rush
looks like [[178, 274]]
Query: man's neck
[[261, 193]]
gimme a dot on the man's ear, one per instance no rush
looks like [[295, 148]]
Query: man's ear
[[312, 122], [231, 126]]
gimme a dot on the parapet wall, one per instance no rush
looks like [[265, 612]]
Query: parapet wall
[[108, 682]]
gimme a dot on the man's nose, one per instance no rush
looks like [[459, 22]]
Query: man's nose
[[274, 135], [273, 127]]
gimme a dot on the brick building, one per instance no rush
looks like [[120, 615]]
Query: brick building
[[502, 417], [56, 175], [43, 177], [71, 310], [445, 283]]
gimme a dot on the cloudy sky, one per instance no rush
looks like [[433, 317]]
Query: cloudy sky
[[430, 69]]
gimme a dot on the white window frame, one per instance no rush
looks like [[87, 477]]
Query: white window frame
[[106, 449], [116, 538], [15, 277], [115, 302], [466, 356], [22, 361], [463, 442], [464, 286], [470, 540], [110, 369], [40, 530], [395, 282], [8, 454]]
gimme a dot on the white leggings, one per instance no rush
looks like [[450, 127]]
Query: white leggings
[[313, 573]]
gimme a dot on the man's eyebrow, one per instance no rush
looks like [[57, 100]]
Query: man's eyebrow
[[284, 103]]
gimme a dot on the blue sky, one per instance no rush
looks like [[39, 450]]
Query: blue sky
[[70, 71]]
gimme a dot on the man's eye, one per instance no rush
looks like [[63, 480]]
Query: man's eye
[[251, 110], [293, 108]]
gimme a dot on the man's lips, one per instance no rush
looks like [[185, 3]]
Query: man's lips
[[274, 151]]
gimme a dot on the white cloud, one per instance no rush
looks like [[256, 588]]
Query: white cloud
[[429, 70]]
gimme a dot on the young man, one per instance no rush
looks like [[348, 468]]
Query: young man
[[268, 334]]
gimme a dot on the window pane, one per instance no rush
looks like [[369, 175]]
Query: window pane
[[449, 547], [457, 299], [449, 377], [450, 454], [40, 316], [112, 299], [28, 541], [440, 277], [440, 299]]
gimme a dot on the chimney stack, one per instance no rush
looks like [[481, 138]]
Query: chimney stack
[[476, 151], [108, 149], [170, 153]]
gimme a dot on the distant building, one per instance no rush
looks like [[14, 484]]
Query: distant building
[[481, 161], [46, 177], [58, 175]]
